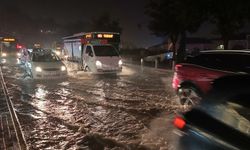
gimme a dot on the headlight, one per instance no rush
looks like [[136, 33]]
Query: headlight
[[98, 64], [39, 69], [18, 54], [4, 54], [3, 61], [63, 68], [58, 53], [120, 62]]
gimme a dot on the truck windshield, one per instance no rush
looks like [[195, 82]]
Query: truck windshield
[[105, 51], [48, 57]]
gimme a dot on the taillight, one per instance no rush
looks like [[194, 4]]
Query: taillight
[[179, 122], [178, 66]]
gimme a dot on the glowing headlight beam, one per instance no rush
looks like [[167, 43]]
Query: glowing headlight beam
[[39, 69], [63, 68]]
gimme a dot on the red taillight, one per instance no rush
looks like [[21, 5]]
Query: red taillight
[[178, 66], [179, 122], [18, 46]]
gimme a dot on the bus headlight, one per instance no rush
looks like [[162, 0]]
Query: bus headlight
[[39, 69], [63, 68], [98, 64], [4, 54], [120, 63]]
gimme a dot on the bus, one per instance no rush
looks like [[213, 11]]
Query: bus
[[9, 46]]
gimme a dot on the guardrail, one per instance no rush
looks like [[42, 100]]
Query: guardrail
[[11, 135]]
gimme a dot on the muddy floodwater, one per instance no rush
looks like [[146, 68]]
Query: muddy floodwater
[[131, 110]]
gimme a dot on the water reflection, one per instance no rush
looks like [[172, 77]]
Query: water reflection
[[41, 92]]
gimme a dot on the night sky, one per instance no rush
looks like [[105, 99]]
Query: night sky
[[129, 12]]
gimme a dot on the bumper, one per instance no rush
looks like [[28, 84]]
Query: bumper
[[50, 75]]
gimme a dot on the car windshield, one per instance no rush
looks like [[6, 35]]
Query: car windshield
[[105, 51], [45, 57]]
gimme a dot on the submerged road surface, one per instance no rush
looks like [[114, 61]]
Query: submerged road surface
[[131, 110]]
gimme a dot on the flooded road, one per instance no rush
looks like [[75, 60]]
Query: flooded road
[[131, 110]]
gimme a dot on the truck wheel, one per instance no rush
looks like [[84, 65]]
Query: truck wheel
[[188, 96], [86, 69]]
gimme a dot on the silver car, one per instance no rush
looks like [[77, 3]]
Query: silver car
[[45, 65]]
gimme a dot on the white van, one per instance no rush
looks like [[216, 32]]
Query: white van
[[101, 59]]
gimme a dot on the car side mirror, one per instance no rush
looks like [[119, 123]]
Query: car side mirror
[[91, 54]]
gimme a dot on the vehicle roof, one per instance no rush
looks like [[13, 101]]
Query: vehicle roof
[[84, 33]]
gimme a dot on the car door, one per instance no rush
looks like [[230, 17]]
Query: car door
[[89, 58]]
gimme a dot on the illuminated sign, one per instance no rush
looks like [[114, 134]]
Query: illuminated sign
[[99, 35], [88, 35], [108, 36], [37, 45], [9, 40]]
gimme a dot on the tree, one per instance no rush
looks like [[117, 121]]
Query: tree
[[105, 23], [229, 16], [173, 18]]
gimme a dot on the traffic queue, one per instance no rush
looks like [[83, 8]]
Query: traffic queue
[[95, 52]]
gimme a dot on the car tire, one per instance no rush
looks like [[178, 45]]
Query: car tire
[[188, 96]]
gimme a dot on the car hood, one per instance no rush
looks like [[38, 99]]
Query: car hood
[[47, 64]]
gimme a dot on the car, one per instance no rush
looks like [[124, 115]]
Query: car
[[44, 64], [192, 79], [221, 121]]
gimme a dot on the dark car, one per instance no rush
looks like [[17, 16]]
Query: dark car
[[220, 122], [192, 79]]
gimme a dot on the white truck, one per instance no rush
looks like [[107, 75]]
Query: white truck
[[97, 52]]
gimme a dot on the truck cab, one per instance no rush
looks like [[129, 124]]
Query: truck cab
[[101, 59]]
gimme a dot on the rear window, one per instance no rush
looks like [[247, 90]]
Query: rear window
[[105, 51]]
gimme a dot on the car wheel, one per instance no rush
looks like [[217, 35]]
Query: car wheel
[[188, 96]]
